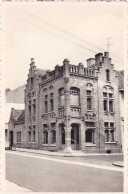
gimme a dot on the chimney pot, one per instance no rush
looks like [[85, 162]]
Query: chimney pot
[[90, 61]]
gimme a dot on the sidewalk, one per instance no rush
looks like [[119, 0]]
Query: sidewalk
[[62, 154], [10, 187]]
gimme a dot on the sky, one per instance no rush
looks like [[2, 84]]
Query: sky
[[51, 32]]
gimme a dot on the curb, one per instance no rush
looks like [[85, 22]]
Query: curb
[[66, 154]]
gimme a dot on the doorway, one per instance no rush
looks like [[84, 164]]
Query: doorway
[[11, 138], [75, 136]]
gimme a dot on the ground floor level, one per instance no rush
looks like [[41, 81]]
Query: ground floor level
[[74, 137]]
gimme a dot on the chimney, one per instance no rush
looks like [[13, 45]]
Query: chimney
[[90, 61], [32, 60], [98, 58], [106, 54]]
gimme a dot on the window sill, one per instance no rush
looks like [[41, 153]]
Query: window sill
[[31, 142], [89, 110], [111, 142], [90, 145], [48, 145]]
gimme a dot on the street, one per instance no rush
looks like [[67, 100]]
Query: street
[[51, 174]]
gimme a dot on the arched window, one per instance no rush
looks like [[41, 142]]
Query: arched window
[[53, 136], [107, 75], [45, 133], [89, 136]]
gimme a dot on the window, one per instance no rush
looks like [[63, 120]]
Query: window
[[29, 107], [89, 136], [34, 109], [108, 100], [31, 81], [29, 136], [89, 104], [74, 90], [110, 95], [90, 124], [52, 94], [19, 136], [111, 106], [34, 137], [106, 124], [88, 92], [46, 106], [29, 101], [51, 87], [109, 132], [61, 97], [112, 135], [104, 94], [51, 105], [45, 137], [53, 134], [53, 125], [106, 135], [105, 105], [107, 75], [46, 96], [6, 132]]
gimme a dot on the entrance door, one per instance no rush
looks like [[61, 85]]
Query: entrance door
[[11, 138], [75, 137]]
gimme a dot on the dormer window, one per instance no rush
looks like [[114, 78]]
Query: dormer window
[[107, 75]]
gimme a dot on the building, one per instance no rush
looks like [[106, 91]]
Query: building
[[16, 127], [73, 107], [14, 100]]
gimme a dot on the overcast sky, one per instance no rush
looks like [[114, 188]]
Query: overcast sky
[[51, 32]]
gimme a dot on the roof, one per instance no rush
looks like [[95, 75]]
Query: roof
[[17, 116], [121, 79], [16, 95], [8, 108]]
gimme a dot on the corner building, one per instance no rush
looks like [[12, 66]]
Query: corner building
[[73, 107]]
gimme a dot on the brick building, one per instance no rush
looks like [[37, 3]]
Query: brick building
[[73, 107]]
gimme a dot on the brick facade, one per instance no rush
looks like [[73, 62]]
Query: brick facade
[[73, 107]]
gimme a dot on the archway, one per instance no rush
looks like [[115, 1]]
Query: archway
[[11, 138], [75, 136]]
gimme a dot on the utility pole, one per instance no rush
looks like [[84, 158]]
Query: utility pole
[[108, 43]]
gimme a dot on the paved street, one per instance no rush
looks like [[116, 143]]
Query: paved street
[[52, 174]]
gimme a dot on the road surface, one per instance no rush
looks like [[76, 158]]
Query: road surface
[[47, 174]]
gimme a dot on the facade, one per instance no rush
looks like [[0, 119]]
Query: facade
[[73, 107]]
